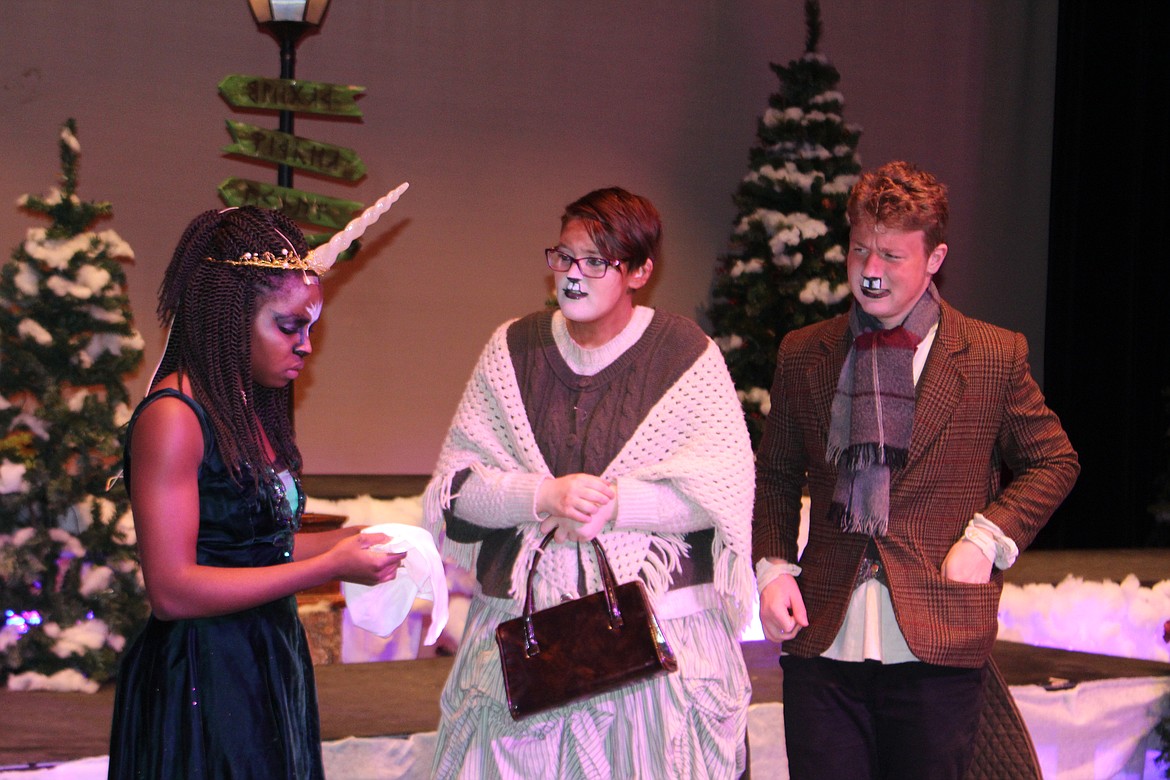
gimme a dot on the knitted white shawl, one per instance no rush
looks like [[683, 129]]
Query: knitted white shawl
[[693, 439]]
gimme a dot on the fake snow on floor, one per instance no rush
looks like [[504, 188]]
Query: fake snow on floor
[[1110, 618]]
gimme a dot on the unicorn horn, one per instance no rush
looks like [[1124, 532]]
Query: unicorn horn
[[323, 257]]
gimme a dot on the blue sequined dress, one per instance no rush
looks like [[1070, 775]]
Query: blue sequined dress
[[230, 696]]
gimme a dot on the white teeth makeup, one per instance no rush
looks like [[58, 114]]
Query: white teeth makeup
[[871, 283], [572, 290]]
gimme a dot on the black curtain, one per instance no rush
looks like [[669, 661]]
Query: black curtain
[[1107, 345]]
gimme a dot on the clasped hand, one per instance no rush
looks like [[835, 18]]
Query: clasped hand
[[357, 562], [782, 612], [576, 506]]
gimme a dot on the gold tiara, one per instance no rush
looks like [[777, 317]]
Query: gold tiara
[[322, 258], [287, 260]]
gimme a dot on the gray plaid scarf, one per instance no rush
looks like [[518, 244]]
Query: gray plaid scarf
[[873, 414]]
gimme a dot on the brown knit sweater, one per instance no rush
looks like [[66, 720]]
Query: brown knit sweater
[[582, 422]]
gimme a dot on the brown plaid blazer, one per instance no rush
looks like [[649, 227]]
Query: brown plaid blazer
[[983, 441]]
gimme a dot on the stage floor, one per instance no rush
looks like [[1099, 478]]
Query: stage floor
[[401, 697]]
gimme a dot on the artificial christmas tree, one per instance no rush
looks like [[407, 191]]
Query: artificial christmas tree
[[786, 265], [70, 587]]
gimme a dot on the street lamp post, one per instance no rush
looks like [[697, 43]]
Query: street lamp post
[[288, 20]]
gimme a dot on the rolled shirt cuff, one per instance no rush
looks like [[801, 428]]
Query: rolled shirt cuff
[[769, 570], [988, 537]]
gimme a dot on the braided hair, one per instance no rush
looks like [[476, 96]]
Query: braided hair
[[209, 308]]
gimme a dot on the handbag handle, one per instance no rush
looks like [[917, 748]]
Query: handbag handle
[[608, 585]]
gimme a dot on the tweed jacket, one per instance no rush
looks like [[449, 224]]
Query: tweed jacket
[[983, 441]]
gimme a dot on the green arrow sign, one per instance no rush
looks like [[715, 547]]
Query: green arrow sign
[[300, 206], [285, 149], [311, 97]]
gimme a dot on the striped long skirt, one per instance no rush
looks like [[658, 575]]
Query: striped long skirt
[[689, 724]]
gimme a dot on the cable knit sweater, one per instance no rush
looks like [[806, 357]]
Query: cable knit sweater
[[684, 465]]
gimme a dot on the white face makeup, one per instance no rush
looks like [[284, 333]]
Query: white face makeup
[[596, 309], [572, 290], [889, 270], [280, 332]]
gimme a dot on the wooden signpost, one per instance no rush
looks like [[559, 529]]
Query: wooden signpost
[[306, 97], [290, 151]]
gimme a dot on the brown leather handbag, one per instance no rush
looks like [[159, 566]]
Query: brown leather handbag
[[580, 648]]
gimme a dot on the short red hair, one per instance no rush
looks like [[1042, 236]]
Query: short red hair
[[901, 196]]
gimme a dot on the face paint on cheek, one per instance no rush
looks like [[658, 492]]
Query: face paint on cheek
[[314, 312]]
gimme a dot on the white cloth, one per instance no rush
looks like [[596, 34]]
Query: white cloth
[[382, 608], [1092, 731]]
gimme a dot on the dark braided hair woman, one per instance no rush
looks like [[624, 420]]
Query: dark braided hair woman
[[220, 682]]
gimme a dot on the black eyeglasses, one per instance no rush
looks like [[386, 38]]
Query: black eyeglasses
[[590, 267]]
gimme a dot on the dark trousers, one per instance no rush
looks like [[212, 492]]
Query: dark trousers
[[867, 720]]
